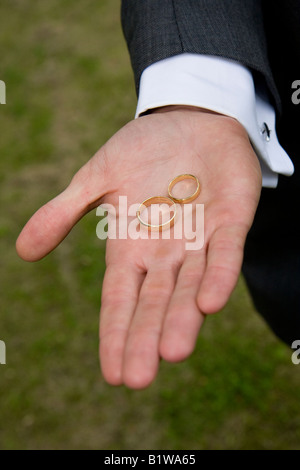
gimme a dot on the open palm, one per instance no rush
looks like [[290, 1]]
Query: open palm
[[155, 292]]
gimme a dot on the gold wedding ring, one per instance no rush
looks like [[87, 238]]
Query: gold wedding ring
[[156, 200], [188, 198]]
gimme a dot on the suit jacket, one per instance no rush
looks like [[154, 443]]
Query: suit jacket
[[263, 35]]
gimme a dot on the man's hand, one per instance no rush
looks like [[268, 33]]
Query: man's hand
[[155, 292]]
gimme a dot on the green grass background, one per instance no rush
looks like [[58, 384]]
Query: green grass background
[[69, 88]]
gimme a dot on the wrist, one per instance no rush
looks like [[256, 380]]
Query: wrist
[[194, 109], [180, 107]]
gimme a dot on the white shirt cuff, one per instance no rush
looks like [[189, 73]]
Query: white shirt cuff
[[223, 86]]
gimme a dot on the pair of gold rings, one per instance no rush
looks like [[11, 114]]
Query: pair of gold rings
[[170, 201]]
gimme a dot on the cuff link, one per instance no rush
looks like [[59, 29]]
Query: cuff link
[[265, 131]]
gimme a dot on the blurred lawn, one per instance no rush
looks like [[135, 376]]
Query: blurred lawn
[[69, 88]]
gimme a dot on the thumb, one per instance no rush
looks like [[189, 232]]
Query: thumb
[[53, 221]]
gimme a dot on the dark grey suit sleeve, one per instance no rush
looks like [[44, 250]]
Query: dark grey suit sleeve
[[234, 29]]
